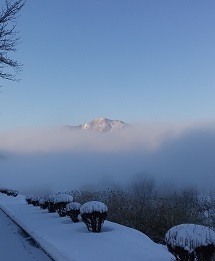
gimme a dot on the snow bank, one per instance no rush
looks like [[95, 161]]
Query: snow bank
[[67, 241]]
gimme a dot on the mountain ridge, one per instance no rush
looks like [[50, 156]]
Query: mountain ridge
[[101, 125]]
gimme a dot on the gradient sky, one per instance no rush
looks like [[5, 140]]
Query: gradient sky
[[133, 60]]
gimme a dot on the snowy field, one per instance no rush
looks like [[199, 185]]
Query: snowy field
[[67, 241]]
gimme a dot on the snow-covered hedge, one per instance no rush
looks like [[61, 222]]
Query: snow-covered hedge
[[93, 214], [73, 211], [191, 242], [9, 192], [54, 202]]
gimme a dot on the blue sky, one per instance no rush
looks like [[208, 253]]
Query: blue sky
[[133, 60]]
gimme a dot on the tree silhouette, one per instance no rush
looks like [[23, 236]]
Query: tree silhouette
[[9, 38]]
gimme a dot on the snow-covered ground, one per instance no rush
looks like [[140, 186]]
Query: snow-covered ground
[[67, 241], [15, 243]]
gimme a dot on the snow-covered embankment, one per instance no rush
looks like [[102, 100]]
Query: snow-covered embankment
[[67, 241]]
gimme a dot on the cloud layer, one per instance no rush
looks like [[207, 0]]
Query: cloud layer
[[59, 159]]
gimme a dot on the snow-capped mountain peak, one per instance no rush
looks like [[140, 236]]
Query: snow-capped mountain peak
[[101, 125]]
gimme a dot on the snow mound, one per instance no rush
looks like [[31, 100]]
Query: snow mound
[[190, 236], [92, 206]]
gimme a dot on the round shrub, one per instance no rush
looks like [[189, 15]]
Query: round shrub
[[28, 199], [3, 190], [9, 192], [50, 203], [43, 203], [35, 200], [73, 211], [189, 242], [15, 193], [93, 214], [60, 202]]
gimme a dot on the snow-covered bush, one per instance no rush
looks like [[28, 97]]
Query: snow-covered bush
[[9, 192], [73, 211], [35, 200], [43, 203], [93, 214], [60, 202], [3, 190], [189, 242], [15, 193], [49, 199], [28, 199]]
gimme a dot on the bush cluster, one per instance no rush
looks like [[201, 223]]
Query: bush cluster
[[175, 212], [92, 213], [9, 192], [151, 213], [155, 214]]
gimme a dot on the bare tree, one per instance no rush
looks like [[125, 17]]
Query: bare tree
[[9, 38]]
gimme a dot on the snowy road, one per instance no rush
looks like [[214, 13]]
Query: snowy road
[[15, 244]]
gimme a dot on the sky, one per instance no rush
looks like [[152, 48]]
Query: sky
[[134, 61], [147, 63]]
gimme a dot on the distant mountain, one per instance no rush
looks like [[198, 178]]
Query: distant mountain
[[101, 125]]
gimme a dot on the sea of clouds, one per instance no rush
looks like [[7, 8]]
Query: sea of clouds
[[44, 160]]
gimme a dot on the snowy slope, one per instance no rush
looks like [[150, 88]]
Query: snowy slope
[[101, 125], [67, 241]]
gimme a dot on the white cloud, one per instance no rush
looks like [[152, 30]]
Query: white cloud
[[55, 159]]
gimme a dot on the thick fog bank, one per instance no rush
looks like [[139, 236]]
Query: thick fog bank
[[51, 160]]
